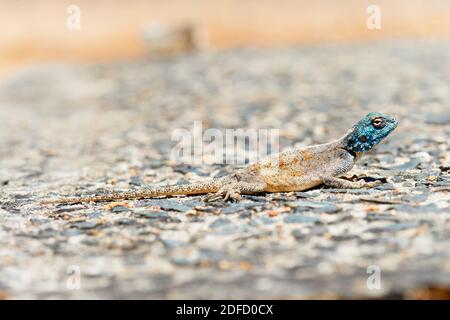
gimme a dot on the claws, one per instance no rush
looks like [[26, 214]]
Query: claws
[[211, 197], [373, 184], [227, 192]]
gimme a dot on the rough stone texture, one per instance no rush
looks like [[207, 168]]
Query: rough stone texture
[[71, 130]]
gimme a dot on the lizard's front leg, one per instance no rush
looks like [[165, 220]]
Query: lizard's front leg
[[345, 184]]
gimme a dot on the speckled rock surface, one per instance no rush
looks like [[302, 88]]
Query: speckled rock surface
[[71, 130]]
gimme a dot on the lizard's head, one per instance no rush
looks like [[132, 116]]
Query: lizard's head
[[369, 131]]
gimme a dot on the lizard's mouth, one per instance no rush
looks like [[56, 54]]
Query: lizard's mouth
[[393, 122], [396, 123]]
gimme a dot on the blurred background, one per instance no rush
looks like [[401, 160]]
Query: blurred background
[[35, 30]]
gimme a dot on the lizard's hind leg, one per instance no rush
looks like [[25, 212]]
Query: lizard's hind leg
[[234, 187]]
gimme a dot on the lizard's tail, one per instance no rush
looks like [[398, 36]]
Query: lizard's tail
[[212, 185]]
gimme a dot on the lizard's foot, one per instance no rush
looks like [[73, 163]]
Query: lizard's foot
[[227, 192], [345, 184], [367, 184], [372, 184]]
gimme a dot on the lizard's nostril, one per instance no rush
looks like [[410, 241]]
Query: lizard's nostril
[[393, 120]]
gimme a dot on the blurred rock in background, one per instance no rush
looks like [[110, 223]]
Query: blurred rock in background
[[162, 40]]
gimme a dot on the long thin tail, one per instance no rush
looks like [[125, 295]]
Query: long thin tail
[[211, 185]]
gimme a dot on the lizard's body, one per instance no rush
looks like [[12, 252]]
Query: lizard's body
[[295, 169], [301, 169]]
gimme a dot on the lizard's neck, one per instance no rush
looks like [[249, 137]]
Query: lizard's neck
[[343, 143]]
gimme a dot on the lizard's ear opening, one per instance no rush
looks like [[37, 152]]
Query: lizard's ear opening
[[359, 142]]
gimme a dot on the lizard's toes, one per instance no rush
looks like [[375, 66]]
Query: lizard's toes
[[225, 193], [234, 196], [373, 184], [211, 197]]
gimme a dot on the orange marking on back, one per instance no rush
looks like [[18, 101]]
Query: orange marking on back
[[282, 164], [307, 155]]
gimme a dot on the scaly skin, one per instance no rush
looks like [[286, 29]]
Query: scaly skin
[[291, 170]]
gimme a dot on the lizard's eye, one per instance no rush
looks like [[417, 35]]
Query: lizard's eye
[[378, 123]]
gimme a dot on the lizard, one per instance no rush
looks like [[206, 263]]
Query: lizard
[[295, 169]]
